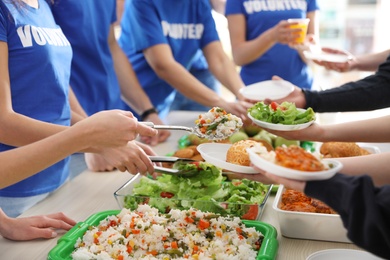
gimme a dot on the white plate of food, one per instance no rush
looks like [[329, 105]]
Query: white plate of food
[[280, 127], [272, 89], [215, 154], [324, 56], [332, 165], [342, 254]]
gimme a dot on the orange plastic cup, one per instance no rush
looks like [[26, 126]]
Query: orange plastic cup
[[301, 24]]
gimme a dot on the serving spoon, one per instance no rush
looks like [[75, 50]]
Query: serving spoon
[[192, 130]]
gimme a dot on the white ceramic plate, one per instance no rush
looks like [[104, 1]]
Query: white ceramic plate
[[280, 127], [342, 254], [272, 89], [323, 56], [281, 171], [215, 154]]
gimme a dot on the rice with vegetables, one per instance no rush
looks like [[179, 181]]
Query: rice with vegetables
[[189, 234], [217, 123]]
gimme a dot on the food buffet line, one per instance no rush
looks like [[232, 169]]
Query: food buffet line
[[92, 192]]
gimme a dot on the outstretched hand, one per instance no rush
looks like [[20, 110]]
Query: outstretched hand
[[337, 66], [162, 135], [271, 178], [297, 96], [29, 228]]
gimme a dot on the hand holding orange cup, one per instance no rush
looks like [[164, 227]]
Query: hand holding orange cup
[[300, 23]]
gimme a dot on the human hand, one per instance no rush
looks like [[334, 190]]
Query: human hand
[[29, 228], [284, 34], [238, 108], [131, 157], [313, 133], [162, 135], [112, 128], [97, 163], [289, 183], [310, 44], [338, 66], [296, 97]]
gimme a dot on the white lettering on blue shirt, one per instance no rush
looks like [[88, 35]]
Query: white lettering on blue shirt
[[253, 6], [29, 34], [182, 31]]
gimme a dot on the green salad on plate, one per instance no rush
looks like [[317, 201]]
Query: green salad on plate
[[285, 113]]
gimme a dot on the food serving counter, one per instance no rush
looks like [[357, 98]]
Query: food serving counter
[[92, 192]]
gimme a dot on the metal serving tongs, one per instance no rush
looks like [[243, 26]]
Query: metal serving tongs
[[176, 172], [171, 171], [192, 130], [170, 159]]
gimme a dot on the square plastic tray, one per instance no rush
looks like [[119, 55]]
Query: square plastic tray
[[65, 245], [313, 226]]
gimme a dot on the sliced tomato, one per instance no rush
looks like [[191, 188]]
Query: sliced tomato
[[274, 105], [252, 212], [195, 163], [165, 194]]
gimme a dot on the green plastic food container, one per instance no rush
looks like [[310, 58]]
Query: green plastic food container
[[65, 245]]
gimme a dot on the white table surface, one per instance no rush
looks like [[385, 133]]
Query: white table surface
[[92, 192]]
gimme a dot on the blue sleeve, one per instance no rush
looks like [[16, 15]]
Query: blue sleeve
[[312, 5], [364, 209], [114, 18], [143, 25], [234, 7], [3, 23], [210, 33]]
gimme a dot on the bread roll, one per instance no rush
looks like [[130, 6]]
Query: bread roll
[[341, 149]]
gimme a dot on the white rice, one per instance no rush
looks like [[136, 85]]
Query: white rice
[[262, 151], [228, 123], [150, 235]]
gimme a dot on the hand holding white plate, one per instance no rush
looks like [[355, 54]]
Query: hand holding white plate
[[333, 165], [324, 56], [272, 89], [215, 154], [280, 127]]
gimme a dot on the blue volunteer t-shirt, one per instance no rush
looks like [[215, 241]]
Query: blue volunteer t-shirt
[[280, 60], [186, 26], [39, 69], [86, 24]]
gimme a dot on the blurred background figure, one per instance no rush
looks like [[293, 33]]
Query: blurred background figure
[[199, 69], [162, 56], [101, 76], [263, 43]]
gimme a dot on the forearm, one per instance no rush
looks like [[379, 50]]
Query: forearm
[[78, 112], [223, 68], [248, 51], [23, 162], [375, 165], [178, 77], [19, 130], [370, 62], [218, 6], [3, 221], [370, 130]]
